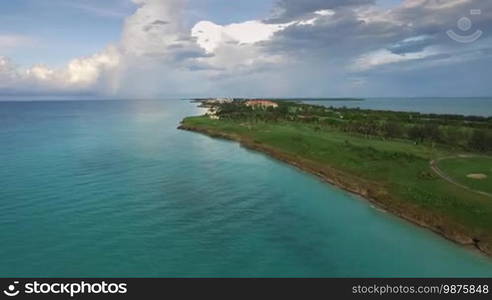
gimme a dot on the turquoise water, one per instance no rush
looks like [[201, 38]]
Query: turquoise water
[[459, 106], [111, 188]]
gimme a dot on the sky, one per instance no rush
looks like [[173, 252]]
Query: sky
[[255, 48]]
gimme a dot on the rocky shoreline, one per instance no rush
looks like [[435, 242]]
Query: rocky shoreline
[[374, 192]]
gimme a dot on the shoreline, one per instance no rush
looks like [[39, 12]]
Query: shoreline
[[354, 185]]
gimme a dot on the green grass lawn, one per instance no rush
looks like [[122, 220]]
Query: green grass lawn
[[399, 167], [460, 167]]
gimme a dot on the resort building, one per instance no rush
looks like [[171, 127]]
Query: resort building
[[261, 103], [217, 101], [213, 113]]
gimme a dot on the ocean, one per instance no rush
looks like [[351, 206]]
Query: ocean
[[113, 189], [457, 106]]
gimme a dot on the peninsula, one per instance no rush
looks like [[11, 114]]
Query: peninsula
[[433, 170]]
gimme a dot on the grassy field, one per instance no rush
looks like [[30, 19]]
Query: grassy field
[[397, 167], [474, 172], [381, 155]]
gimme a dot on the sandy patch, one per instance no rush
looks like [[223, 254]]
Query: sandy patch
[[477, 176]]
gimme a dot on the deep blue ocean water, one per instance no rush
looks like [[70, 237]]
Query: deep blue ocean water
[[111, 188]]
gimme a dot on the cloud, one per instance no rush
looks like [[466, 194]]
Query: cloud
[[210, 35], [153, 33], [289, 10], [154, 27], [81, 74], [383, 57], [406, 31], [411, 45], [311, 47]]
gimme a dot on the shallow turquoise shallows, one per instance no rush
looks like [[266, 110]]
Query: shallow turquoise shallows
[[111, 188]]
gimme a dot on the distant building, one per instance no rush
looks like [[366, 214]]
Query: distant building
[[213, 113], [261, 103], [217, 101]]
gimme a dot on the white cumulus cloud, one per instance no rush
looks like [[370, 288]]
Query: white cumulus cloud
[[210, 35], [307, 42]]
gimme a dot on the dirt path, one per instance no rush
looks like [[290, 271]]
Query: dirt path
[[434, 166]]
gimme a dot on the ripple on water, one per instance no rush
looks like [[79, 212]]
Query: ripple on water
[[113, 189]]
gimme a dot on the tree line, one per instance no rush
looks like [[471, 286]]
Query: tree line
[[467, 132]]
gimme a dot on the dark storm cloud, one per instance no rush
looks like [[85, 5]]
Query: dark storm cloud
[[288, 10], [433, 18], [333, 46], [456, 78], [344, 34], [405, 29]]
